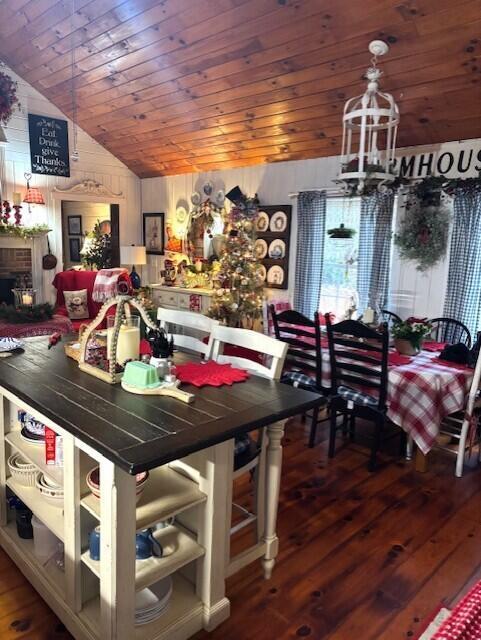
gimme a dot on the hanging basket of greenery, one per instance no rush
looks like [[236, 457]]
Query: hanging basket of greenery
[[8, 97], [341, 232], [423, 233]]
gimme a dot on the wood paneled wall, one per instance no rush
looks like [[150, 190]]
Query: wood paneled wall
[[413, 293], [95, 163]]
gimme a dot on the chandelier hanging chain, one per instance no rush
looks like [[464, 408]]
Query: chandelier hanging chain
[[73, 88]]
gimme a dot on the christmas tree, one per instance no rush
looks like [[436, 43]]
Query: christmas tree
[[97, 252], [237, 302]]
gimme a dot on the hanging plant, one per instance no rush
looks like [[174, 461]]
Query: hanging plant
[[423, 233], [341, 232], [8, 97]]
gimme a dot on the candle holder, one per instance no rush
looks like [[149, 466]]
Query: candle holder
[[25, 297], [120, 341]]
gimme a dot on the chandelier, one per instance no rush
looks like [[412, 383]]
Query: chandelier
[[370, 123]]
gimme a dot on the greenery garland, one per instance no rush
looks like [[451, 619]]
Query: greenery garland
[[25, 313], [20, 231]]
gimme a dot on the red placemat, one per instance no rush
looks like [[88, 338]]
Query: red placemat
[[431, 345], [210, 374]]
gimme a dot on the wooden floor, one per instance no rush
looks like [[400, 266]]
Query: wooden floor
[[362, 556]]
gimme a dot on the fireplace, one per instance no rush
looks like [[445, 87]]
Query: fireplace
[[21, 265]]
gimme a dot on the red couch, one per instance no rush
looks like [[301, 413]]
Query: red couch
[[74, 281]]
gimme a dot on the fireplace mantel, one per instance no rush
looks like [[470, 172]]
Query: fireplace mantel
[[38, 247]]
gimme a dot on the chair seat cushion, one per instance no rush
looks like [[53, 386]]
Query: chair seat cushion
[[299, 379], [356, 396], [245, 450]]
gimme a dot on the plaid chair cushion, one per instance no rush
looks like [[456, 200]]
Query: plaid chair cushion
[[299, 379], [245, 450], [357, 396]]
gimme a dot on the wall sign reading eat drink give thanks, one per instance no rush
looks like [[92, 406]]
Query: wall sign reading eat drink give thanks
[[49, 152]]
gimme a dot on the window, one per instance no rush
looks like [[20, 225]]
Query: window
[[339, 271]]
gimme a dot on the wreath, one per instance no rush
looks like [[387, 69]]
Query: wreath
[[423, 233], [8, 97]]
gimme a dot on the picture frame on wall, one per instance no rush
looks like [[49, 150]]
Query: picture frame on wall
[[74, 249], [154, 233], [74, 224]]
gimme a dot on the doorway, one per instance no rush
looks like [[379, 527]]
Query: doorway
[[81, 223]]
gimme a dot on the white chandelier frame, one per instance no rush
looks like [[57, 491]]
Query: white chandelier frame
[[363, 163]]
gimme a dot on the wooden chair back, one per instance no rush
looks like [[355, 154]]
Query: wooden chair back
[[359, 358], [200, 326], [451, 331], [275, 350], [390, 318], [303, 337]]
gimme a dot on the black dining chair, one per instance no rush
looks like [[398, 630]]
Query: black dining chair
[[390, 318], [359, 378], [451, 331], [303, 363]]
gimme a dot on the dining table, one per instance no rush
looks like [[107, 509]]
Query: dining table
[[422, 390]]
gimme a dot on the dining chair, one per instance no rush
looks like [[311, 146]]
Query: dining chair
[[451, 331], [359, 378], [390, 318], [249, 454], [200, 327], [303, 363], [462, 426]]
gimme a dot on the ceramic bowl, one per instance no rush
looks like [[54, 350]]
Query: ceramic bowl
[[93, 482], [52, 494]]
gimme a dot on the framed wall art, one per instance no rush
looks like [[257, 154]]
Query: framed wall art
[[74, 224], [154, 233]]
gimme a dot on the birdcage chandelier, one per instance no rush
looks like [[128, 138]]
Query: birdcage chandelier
[[370, 124]]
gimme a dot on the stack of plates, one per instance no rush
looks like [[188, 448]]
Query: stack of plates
[[152, 602], [9, 344]]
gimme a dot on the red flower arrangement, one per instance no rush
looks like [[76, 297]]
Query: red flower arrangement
[[8, 97]]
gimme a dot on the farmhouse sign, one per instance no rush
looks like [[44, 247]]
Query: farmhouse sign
[[49, 152], [453, 161]]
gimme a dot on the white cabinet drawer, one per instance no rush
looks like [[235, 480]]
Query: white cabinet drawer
[[167, 298], [184, 301]]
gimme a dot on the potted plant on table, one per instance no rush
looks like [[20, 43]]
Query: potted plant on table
[[409, 335]]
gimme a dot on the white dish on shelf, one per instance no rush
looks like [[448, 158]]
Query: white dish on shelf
[[25, 473], [262, 222], [260, 248], [34, 441], [52, 494], [277, 249], [275, 275], [278, 222]]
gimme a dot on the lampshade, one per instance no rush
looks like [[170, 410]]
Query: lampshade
[[33, 196], [133, 254]]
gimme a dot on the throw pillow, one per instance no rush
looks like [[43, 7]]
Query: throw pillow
[[76, 304]]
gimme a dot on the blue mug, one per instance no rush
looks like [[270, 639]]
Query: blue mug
[[146, 545], [94, 543]]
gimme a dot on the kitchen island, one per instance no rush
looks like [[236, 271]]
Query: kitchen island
[[188, 451]]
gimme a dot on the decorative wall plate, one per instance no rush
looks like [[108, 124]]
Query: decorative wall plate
[[195, 198], [208, 188], [277, 249], [220, 197], [278, 222], [260, 249], [262, 272], [275, 275], [181, 215], [262, 222]]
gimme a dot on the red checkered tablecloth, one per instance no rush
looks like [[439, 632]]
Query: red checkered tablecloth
[[57, 323], [464, 623], [421, 394]]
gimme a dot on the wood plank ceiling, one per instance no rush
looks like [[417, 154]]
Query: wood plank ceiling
[[177, 86]]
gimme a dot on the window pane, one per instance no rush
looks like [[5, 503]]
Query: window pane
[[339, 272]]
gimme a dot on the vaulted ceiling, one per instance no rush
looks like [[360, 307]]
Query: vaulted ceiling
[[176, 86]]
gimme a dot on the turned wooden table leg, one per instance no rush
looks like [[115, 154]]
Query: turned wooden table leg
[[273, 482]]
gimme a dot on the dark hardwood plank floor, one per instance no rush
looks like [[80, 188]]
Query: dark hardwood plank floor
[[362, 556]]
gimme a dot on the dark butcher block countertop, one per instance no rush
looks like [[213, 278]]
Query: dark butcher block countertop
[[142, 432]]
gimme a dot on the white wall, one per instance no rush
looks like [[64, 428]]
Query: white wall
[[413, 292], [95, 163]]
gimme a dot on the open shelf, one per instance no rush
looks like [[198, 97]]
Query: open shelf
[[166, 494], [185, 611], [48, 570], [49, 514], [35, 454], [179, 549]]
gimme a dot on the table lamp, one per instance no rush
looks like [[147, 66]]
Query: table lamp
[[134, 255]]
